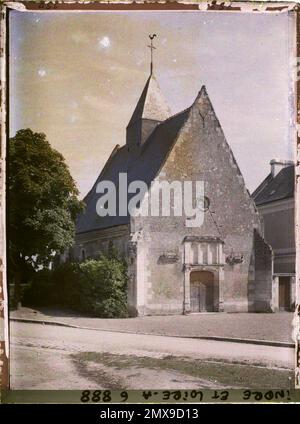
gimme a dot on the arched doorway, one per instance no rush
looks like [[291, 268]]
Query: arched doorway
[[202, 295]]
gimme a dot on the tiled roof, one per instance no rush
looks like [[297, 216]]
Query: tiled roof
[[138, 167], [276, 188]]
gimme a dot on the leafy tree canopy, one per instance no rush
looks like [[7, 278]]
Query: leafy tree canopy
[[42, 201]]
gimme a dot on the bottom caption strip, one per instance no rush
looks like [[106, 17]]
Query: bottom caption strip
[[149, 396]]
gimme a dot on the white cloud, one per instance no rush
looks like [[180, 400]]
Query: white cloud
[[104, 42], [42, 72]]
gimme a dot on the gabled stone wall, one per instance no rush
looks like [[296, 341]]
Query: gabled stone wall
[[201, 152]]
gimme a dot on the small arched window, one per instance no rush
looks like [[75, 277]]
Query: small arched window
[[83, 255]]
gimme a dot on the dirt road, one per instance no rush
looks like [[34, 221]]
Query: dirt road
[[52, 357]]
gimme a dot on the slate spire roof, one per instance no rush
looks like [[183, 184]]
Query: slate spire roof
[[152, 104]]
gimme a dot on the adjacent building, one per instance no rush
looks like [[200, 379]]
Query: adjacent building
[[275, 202]]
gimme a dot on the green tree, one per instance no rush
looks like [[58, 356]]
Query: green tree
[[42, 205]]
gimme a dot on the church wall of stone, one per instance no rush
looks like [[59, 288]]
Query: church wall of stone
[[91, 244], [94, 243], [165, 253], [160, 276], [200, 153]]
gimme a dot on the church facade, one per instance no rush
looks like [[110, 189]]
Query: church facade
[[174, 268]]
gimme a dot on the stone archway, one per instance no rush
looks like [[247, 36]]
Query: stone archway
[[202, 291]]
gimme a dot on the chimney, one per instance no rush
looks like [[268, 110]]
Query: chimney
[[278, 164]]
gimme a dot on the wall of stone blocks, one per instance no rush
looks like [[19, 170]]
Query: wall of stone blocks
[[95, 242]]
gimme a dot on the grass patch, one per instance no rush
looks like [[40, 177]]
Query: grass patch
[[228, 374]]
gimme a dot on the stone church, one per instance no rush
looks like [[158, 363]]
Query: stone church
[[222, 265]]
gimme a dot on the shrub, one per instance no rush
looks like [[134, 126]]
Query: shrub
[[102, 286], [96, 286], [40, 291], [65, 282]]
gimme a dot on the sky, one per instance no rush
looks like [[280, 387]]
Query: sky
[[77, 77]]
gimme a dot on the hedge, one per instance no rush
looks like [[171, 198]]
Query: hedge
[[96, 286]]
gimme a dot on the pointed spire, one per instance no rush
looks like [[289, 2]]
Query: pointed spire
[[152, 104], [151, 109]]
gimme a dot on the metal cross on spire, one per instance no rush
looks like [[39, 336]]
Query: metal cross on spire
[[151, 47]]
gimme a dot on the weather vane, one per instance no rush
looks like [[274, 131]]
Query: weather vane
[[151, 47]]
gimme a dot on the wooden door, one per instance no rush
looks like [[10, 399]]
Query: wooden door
[[206, 297], [284, 293], [201, 286], [195, 298]]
